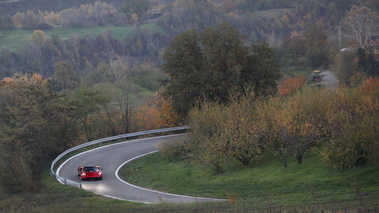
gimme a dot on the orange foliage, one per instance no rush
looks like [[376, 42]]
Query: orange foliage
[[229, 5], [156, 113], [290, 85], [371, 85], [135, 17], [8, 80], [29, 80]]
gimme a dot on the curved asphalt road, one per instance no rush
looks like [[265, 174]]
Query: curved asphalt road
[[111, 158]]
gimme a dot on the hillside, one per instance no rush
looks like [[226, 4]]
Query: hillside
[[12, 7]]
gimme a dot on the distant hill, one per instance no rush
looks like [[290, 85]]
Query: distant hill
[[12, 7]]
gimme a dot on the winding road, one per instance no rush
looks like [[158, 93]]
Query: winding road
[[111, 158]]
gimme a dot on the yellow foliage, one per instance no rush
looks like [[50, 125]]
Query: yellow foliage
[[38, 38], [8, 80], [135, 17]]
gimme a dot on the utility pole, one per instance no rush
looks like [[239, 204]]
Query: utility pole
[[339, 37]]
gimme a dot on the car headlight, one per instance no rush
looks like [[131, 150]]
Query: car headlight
[[84, 174]]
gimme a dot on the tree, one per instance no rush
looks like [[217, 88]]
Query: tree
[[262, 72], [64, 74], [360, 23], [214, 63], [87, 103], [6, 23], [183, 62], [36, 125], [157, 112], [346, 66], [119, 70], [295, 124], [244, 131], [294, 47], [317, 46], [7, 58], [353, 121], [137, 7], [204, 145], [296, 128]]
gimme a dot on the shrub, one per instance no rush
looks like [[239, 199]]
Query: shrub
[[175, 150], [290, 85]]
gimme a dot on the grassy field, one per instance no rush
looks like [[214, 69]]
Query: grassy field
[[55, 197], [7, 1], [14, 38], [267, 185]]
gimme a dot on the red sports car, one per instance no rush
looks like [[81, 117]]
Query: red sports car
[[90, 172]]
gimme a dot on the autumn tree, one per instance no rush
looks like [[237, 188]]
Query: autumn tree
[[157, 112], [204, 145], [36, 125], [244, 131], [38, 38], [137, 7], [353, 122], [272, 119], [298, 127]]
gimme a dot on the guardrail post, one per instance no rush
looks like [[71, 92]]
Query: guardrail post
[[65, 181], [99, 144], [80, 184]]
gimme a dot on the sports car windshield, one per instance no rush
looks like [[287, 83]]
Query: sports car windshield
[[90, 169]]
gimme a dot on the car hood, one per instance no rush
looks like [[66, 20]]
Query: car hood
[[91, 174]]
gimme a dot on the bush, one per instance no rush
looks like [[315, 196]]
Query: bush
[[175, 150], [44, 26], [353, 123]]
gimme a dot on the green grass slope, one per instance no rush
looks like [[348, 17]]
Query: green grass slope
[[15, 38], [266, 185]]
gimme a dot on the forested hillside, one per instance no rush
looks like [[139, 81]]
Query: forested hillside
[[306, 26], [103, 68], [13, 7]]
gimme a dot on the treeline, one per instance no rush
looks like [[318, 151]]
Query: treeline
[[303, 31], [85, 54], [340, 125], [37, 123], [276, 22], [96, 14], [12, 7], [279, 20]]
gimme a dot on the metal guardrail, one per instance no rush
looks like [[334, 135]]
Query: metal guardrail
[[105, 140]]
